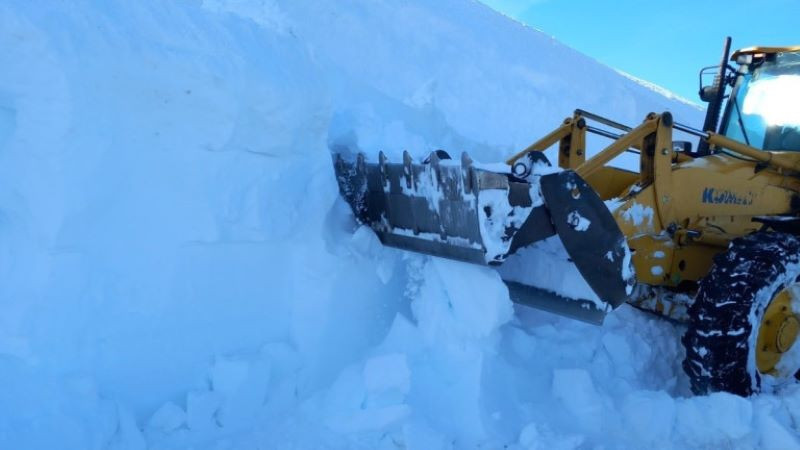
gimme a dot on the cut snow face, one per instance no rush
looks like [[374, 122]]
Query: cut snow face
[[178, 271]]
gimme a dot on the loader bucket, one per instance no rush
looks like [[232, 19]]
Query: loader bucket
[[455, 211], [482, 215]]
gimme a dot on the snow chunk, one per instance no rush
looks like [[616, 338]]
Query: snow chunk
[[387, 372], [650, 415], [419, 436], [242, 387], [732, 418], [201, 410], [365, 243], [639, 215], [359, 401], [575, 389], [496, 216], [167, 418], [546, 265], [538, 437], [773, 434], [460, 302], [578, 222], [128, 436]]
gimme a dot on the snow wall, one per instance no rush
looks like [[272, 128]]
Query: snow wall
[[176, 269]]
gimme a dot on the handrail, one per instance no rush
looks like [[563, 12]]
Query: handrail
[[603, 120], [764, 156], [620, 145]]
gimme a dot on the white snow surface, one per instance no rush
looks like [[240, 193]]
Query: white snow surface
[[546, 265], [177, 270], [503, 215]]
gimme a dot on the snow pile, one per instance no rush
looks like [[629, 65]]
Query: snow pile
[[547, 265], [176, 269]]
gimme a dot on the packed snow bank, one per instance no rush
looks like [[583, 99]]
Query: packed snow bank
[[176, 268]]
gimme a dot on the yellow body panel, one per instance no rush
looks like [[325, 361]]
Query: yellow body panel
[[679, 211], [691, 262], [611, 182], [719, 187], [653, 257], [715, 200]]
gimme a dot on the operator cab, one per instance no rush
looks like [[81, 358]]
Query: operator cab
[[763, 110]]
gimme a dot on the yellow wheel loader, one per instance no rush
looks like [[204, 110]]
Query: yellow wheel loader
[[704, 236]]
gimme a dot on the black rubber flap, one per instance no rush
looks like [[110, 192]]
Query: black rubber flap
[[590, 235]]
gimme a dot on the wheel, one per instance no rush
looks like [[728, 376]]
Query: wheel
[[744, 321]]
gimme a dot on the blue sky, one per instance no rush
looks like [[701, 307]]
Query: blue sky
[[665, 42]]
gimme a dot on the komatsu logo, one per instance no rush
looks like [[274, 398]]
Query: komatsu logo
[[726, 197]]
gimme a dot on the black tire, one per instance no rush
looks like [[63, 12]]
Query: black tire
[[727, 311]]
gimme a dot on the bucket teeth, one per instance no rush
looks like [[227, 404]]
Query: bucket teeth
[[466, 172], [407, 170], [382, 169], [434, 166], [361, 164]]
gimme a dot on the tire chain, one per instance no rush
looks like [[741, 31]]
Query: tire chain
[[717, 339]]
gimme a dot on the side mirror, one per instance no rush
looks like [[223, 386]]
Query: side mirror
[[708, 93], [714, 109]]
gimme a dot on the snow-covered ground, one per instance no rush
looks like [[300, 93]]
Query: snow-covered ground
[[177, 270]]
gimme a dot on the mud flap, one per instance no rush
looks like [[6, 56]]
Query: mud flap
[[590, 235]]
